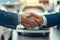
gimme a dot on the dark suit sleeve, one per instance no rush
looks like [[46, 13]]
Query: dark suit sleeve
[[8, 19], [53, 19]]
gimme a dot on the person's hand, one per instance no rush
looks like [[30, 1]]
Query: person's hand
[[31, 20]]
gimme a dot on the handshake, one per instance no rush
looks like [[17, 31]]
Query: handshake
[[31, 20]]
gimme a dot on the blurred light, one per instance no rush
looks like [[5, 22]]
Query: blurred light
[[8, 2], [29, 1], [16, 2], [32, 1]]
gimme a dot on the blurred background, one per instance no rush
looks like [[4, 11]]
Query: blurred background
[[21, 33]]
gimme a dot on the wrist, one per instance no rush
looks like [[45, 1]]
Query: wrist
[[41, 20], [44, 23], [19, 18]]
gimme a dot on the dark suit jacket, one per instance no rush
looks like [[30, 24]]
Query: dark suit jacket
[[53, 19], [8, 19]]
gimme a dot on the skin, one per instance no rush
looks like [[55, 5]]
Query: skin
[[31, 20]]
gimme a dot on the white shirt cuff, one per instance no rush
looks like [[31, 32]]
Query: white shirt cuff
[[19, 18], [44, 21]]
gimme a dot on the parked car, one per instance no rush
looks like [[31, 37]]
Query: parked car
[[40, 10]]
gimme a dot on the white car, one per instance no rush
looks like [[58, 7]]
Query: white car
[[36, 8]]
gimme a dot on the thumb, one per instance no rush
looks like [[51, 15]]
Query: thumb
[[30, 14]]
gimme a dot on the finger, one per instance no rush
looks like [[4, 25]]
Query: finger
[[28, 21], [30, 14], [37, 20], [31, 22], [34, 15], [40, 20], [34, 21], [27, 24]]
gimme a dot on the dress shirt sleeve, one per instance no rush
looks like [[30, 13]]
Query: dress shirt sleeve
[[44, 21], [19, 18]]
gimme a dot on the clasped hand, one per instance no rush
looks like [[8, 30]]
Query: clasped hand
[[31, 20]]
